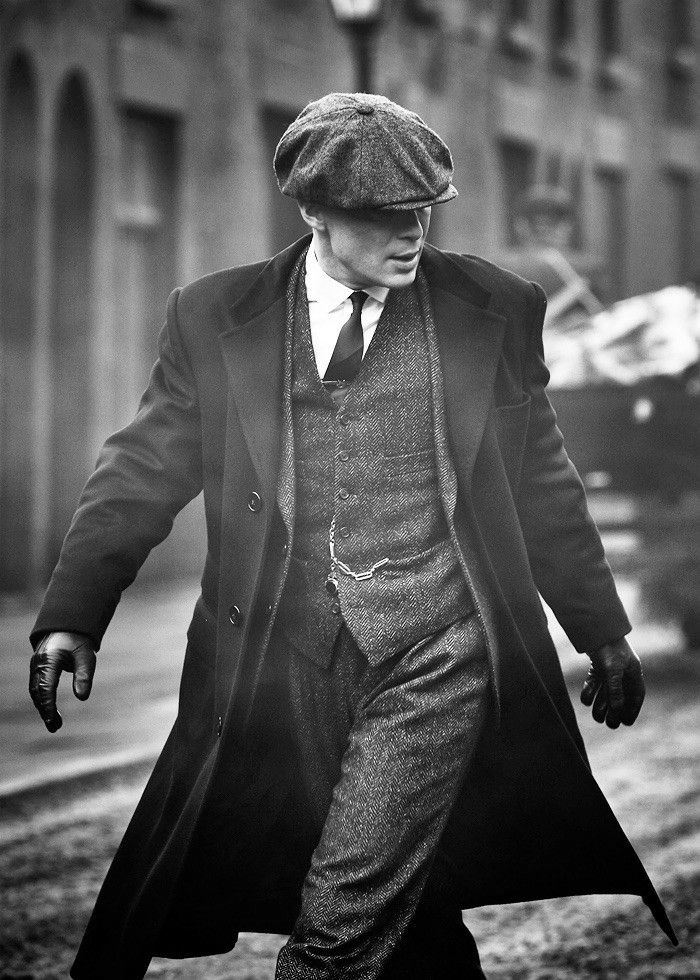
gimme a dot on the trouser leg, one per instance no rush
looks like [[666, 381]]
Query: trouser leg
[[384, 752]]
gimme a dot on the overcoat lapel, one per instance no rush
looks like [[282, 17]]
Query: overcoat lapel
[[253, 349], [469, 340]]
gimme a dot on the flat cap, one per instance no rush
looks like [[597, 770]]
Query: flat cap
[[358, 150]]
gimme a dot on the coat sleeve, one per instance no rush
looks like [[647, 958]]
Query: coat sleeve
[[145, 474], [564, 547]]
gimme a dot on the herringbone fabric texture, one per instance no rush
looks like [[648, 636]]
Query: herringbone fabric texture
[[358, 150], [371, 465], [384, 750]]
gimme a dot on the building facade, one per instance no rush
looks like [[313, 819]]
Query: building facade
[[136, 139]]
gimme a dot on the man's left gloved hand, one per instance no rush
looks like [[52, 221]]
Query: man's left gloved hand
[[614, 684]]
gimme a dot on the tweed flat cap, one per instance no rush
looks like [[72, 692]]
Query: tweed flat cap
[[356, 151]]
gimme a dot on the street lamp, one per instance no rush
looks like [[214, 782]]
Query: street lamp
[[361, 19]]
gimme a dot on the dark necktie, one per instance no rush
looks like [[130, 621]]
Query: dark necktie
[[347, 355]]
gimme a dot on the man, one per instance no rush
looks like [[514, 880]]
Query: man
[[544, 226], [373, 729]]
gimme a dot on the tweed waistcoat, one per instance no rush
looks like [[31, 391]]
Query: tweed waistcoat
[[368, 466]]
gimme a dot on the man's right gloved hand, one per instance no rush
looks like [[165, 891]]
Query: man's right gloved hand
[[73, 652]]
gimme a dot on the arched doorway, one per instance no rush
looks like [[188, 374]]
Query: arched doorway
[[70, 446], [18, 212]]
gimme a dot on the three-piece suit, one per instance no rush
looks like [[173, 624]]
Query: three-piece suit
[[452, 432]]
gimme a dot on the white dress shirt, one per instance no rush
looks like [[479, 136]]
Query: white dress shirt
[[330, 307]]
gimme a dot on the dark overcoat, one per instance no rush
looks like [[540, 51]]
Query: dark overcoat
[[220, 840]]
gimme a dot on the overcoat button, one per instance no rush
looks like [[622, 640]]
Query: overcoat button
[[235, 616], [344, 532], [335, 609], [219, 725], [255, 502]]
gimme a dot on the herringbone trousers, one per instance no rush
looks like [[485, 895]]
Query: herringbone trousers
[[383, 751]]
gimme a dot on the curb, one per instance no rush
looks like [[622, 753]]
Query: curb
[[91, 773]]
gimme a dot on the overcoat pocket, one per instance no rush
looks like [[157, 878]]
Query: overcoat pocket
[[197, 685], [201, 635], [511, 431]]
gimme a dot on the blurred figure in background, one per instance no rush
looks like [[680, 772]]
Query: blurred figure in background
[[374, 732], [544, 226]]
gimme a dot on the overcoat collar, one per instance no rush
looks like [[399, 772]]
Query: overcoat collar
[[469, 337]]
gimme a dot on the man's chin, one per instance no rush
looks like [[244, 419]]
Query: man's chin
[[400, 279]]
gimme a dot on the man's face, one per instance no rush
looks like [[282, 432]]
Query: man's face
[[370, 248]]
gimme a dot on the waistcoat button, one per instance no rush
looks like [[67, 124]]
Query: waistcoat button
[[235, 616], [343, 456], [219, 725], [255, 502], [335, 608], [343, 493]]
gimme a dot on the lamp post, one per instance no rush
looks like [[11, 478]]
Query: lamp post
[[361, 19]]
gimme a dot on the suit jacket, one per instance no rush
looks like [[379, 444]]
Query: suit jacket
[[219, 841]]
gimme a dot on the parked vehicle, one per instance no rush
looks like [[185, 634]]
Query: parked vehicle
[[626, 388]]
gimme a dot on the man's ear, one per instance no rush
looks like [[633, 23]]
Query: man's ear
[[313, 215]]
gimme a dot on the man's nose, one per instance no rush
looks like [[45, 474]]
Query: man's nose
[[411, 227]]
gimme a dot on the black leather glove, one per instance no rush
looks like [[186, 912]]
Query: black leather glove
[[614, 684], [72, 652]]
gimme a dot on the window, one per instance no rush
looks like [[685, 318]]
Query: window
[[517, 171], [153, 11], [18, 224], [425, 13], [517, 36], [681, 64], [612, 66], [148, 237], [680, 21], [518, 11], [562, 29], [72, 314], [611, 194], [610, 28]]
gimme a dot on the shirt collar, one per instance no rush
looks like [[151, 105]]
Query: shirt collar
[[328, 292]]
